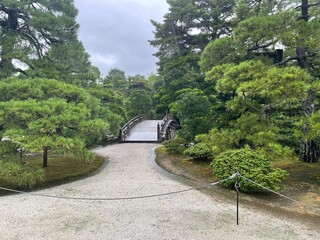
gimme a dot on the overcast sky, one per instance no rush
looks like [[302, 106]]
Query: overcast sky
[[116, 32]]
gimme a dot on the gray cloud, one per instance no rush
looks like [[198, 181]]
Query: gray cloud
[[116, 32]]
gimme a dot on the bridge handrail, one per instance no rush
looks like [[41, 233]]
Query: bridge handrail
[[124, 131], [164, 126]]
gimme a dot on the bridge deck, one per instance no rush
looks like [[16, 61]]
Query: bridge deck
[[145, 131]]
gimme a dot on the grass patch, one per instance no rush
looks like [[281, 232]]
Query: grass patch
[[185, 166], [303, 182], [62, 169], [300, 171]]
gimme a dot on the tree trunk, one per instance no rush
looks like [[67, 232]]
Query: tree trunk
[[6, 66], [45, 157], [309, 151], [305, 10], [8, 41]]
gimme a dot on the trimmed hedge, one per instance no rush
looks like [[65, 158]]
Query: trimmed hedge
[[176, 145], [251, 165], [200, 151]]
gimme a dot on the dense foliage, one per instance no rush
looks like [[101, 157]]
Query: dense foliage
[[256, 62], [193, 110], [251, 165], [176, 145], [200, 151], [48, 115], [22, 176], [41, 30]]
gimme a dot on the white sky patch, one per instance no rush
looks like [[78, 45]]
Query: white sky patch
[[105, 61], [17, 63]]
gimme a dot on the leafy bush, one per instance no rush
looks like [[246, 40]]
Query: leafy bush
[[277, 152], [199, 151], [7, 147], [265, 143], [251, 165], [220, 140], [15, 175], [176, 145]]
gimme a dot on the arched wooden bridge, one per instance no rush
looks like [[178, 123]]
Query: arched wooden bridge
[[139, 129]]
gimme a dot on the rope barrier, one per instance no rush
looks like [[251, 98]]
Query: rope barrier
[[111, 199], [281, 195], [235, 175]]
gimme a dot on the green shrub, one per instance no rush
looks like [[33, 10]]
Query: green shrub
[[176, 145], [277, 152], [220, 140], [8, 148], [15, 175], [251, 165], [200, 151]]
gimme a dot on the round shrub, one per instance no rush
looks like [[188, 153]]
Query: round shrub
[[176, 145], [250, 165], [200, 151]]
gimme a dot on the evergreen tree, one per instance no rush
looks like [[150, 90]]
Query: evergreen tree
[[31, 30], [187, 28]]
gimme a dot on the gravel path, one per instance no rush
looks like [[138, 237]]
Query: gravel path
[[131, 172]]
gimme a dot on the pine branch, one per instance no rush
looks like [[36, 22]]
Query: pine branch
[[314, 4], [296, 58], [260, 46], [21, 71], [287, 60]]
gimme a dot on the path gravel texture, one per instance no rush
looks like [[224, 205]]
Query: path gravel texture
[[131, 171]]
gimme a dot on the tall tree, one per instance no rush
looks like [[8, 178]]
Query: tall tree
[[259, 27], [257, 105], [193, 110], [50, 125], [116, 78], [307, 48], [28, 29], [68, 62], [258, 35], [185, 31], [139, 103]]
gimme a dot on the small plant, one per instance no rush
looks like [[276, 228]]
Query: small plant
[[15, 175], [250, 165], [176, 145], [8, 148], [200, 151]]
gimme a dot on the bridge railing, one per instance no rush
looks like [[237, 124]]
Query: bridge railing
[[165, 128], [125, 130]]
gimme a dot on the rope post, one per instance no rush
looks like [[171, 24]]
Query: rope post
[[237, 187]]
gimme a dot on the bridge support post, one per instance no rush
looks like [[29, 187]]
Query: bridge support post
[[168, 128], [120, 135], [158, 132]]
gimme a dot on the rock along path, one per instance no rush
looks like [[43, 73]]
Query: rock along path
[[132, 172]]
